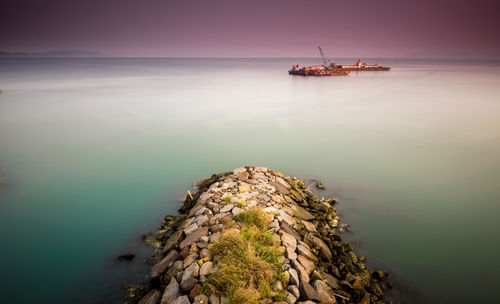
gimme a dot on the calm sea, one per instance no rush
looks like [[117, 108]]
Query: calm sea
[[95, 151]]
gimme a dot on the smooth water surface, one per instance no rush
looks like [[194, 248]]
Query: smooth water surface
[[94, 152]]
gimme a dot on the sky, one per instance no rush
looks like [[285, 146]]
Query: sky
[[254, 28]]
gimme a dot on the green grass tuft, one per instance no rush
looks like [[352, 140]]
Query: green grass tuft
[[253, 217], [246, 261]]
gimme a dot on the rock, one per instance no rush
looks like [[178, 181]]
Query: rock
[[172, 241], [192, 271], [259, 175], [286, 218], [161, 266], [244, 188], [239, 170], [194, 237], [151, 297], [195, 209], [270, 210], [181, 300], [200, 299], [196, 291], [261, 169], [125, 257], [172, 271], [294, 289], [191, 228], [134, 292], [303, 275], [319, 185], [315, 242], [226, 208], [290, 254], [294, 277], [324, 292], [188, 284], [306, 263], [309, 226], [286, 228], [307, 292], [206, 269], [202, 220], [205, 252], [278, 199], [288, 241], [153, 242], [280, 188], [332, 281], [171, 292], [243, 176], [190, 259], [214, 299], [298, 212], [236, 211], [277, 286], [290, 298], [302, 250], [380, 275], [317, 275]]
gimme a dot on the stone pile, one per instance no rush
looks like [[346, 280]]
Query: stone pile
[[319, 266]]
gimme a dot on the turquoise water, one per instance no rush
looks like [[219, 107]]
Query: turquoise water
[[96, 151]]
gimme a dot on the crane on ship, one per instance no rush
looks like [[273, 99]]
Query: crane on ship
[[325, 62]]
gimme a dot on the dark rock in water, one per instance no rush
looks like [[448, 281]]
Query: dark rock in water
[[380, 275], [160, 268], [151, 297], [134, 293], [172, 241], [145, 235], [153, 242], [125, 257], [319, 185]]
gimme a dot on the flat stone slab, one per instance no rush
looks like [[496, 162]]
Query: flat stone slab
[[194, 237], [162, 265], [280, 188]]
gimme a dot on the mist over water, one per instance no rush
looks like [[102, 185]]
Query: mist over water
[[96, 151]]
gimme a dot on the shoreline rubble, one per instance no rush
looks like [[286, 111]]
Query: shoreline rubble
[[286, 229]]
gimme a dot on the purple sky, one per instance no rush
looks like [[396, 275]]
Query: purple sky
[[253, 28]]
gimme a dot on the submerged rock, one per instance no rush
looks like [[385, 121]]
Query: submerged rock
[[125, 257], [152, 297], [319, 185]]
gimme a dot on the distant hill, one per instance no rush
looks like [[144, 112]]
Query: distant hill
[[50, 54]]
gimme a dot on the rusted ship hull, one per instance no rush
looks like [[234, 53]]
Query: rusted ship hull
[[377, 68], [325, 72]]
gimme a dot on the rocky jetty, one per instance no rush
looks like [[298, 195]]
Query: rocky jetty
[[256, 236]]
